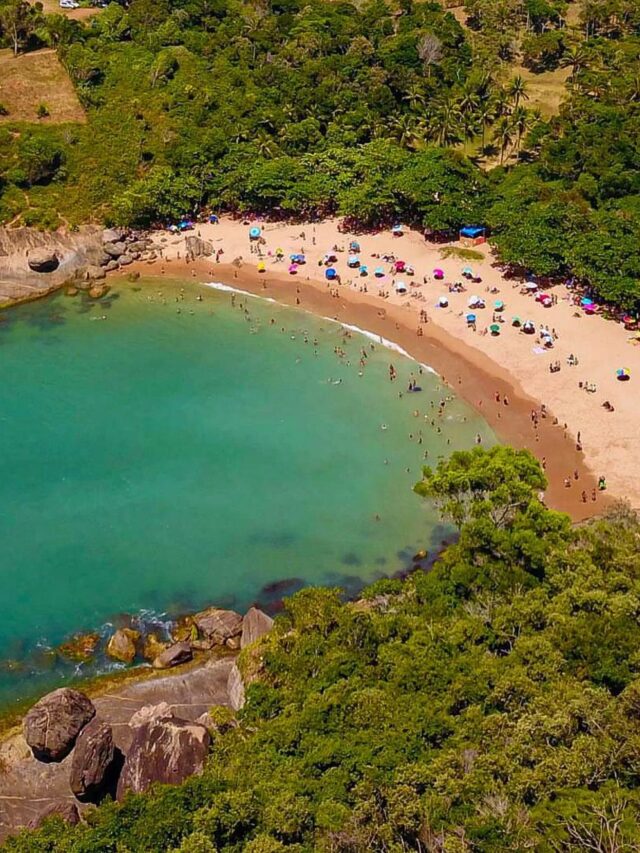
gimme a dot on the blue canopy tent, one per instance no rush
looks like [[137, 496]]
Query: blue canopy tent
[[473, 234]]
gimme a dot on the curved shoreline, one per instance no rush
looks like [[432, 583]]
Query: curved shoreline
[[473, 376]]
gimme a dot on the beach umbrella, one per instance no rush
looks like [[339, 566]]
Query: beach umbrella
[[498, 305], [443, 302], [397, 230], [378, 272], [531, 285], [254, 233], [401, 287], [494, 328], [353, 261], [467, 271], [298, 259], [261, 266], [471, 318], [293, 268], [399, 266], [473, 300], [364, 270], [279, 253], [438, 273], [516, 321], [354, 246], [330, 274], [528, 327], [623, 374], [586, 301]]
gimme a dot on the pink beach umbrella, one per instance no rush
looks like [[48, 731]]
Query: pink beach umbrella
[[293, 269], [438, 273]]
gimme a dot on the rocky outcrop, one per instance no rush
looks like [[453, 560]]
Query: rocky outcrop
[[152, 647], [122, 645], [176, 654], [166, 750], [94, 762], [53, 724], [80, 647], [235, 688], [255, 624], [218, 627], [68, 811], [114, 250], [42, 260]]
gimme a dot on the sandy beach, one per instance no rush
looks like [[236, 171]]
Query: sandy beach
[[505, 377]]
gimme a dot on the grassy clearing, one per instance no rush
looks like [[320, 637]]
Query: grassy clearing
[[461, 254], [546, 91], [31, 79]]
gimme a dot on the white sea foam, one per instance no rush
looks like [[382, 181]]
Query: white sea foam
[[378, 339]]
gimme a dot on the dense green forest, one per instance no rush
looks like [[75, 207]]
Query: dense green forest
[[378, 110], [492, 704]]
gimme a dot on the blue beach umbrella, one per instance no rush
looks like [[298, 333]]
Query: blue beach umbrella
[[353, 261], [471, 318], [467, 271], [254, 233], [364, 270], [330, 274], [378, 272], [623, 374], [498, 305]]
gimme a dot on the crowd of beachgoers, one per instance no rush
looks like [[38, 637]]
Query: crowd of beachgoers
[[550, 351]]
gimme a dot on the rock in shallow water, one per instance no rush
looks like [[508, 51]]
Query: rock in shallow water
[[174, 655], [166, 750], [122, 645], [218, 626], [94, 762], [255, 624], [53, 724]]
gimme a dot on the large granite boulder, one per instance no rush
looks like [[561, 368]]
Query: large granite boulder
[[42, 260], [255, 624], [114, 250], [94, 762], [112, 235], [53, 724], [166, 750], [68, 811], [218, 627], [122, 645], [176, 654]]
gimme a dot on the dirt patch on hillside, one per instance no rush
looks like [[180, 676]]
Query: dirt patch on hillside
[[31, 79]]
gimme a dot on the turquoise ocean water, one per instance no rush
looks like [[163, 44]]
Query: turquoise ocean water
[[183, 453]]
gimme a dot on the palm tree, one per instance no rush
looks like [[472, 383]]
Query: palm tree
[[406, 130], [265, 144], [521, 121], [503, 135], [518, 91], [415, 97], [485, 116], [447, 123]]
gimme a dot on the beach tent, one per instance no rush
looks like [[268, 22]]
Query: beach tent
[[254, 233], [354, 261], [438, 274], [293, 269], [623, 374], [498, 305], [378, 272], [443, 302], [330, 274], [401, 287], [473, 235], [494, 328], [471, 318], [261, 266]]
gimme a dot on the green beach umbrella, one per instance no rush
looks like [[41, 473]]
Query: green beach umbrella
[[494, 328]]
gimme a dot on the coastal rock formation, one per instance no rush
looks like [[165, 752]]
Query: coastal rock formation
[[42, 260], [93, 762], [125, 260], [68, 811], [122, 645], [112, 235], [166, 750], [255, 624], [152, 647], [53, 724], [80, 647], [235, 688], [150, 713], [174, 655], [114, 250], [218, 627]]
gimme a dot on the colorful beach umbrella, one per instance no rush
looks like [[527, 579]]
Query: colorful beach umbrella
[[498, 305], [293, 268], [401, 287], [438, 273], [467, 271], [471, 318], [330, 274], [254, 233], [494, 328], [261, 266], [364, 269], [516, 321], [353, 261], [586, 301], [378, 272], [623, 374]]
